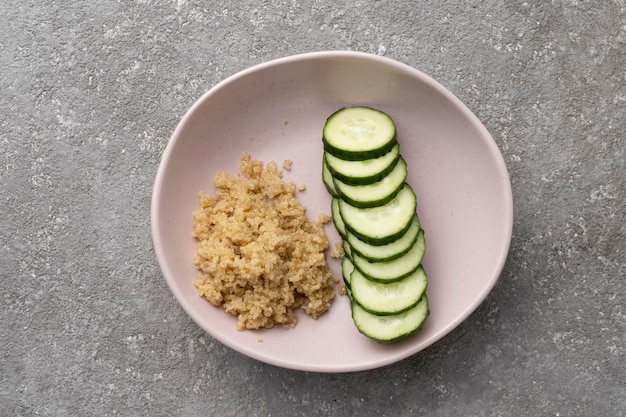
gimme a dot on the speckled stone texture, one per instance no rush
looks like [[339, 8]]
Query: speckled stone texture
[[91, 92]]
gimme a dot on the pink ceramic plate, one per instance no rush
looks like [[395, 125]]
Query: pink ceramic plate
[[276, 111]]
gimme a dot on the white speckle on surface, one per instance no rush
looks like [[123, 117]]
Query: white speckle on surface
[[602, 193], [179, 4], [133, 343], [66, 122], [112, 32]]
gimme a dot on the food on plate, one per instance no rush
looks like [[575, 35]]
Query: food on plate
[[373, 209], [259, 256]]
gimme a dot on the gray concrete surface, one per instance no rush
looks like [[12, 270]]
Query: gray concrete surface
[[92, 90]]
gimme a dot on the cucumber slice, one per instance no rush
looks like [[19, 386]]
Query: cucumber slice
[[387, 252], [383, 224], [347, 268], [327, 179], [385, 299], [376, 194], [347, 249], [395, 270], [387, 329], [337, 219], [357, 133], [364, 171]]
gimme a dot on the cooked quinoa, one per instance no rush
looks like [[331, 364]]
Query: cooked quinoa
[[259, 256], [338, 252], [287, 164]]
